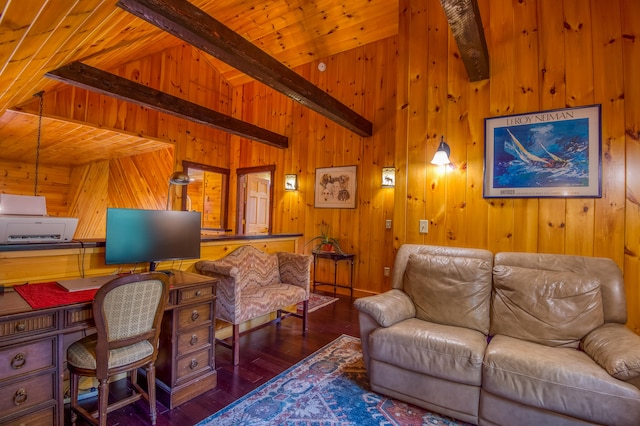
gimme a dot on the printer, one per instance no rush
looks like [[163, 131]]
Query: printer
[[24, 220]]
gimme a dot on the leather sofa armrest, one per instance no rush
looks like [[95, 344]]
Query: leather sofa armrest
[[387, 308], [615, 348]]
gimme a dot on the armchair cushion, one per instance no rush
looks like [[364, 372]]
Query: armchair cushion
[[387, 308], [248, 265], [615, 348], [254, 283], [547, 307], [433, 281], [82, 353]]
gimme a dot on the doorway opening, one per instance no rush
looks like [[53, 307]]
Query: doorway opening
[[255, 198]]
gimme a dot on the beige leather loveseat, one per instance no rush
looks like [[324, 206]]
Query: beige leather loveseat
[[511, 339]]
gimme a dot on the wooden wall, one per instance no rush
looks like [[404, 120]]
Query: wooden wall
[[545, 54], [138, 181]]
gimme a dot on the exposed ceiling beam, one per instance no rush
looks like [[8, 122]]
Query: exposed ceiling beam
[[81, 75], [185, 21], [466, 25]]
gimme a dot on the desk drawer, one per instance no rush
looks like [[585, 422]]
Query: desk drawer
[[193, 316], [28, 357], [196, 363], [27, 393], [195, 294], [44, 417], [193, 340], [28, 325]]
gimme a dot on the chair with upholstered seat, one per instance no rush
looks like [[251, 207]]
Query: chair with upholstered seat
[[128, 313], [254, 283]]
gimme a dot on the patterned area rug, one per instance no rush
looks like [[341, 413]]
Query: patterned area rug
[[327, 388], [317, 301]]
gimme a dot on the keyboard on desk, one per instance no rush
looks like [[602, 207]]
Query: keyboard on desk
[[86, 283]]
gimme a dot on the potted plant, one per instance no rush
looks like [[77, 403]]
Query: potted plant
[[325, 242]]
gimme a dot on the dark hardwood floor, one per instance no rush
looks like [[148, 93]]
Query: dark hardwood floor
[[264, 353]]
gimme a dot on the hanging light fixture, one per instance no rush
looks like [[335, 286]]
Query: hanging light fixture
[[179, 178], [441, 157], [35, 185]]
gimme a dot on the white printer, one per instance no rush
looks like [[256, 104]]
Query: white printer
[[23, 220]]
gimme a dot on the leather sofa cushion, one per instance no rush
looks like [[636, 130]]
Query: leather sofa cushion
[[547, 307], [563, 380], [450, 290], [447, 352]]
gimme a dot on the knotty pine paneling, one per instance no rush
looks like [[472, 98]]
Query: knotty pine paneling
[[545, 54], [630, 95], [536, 64], [53, 182]]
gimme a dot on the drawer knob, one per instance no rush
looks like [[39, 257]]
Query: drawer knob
[[194, 364], [18, 361], [199, 293], [194, 339], [21, 326], [20, 397], [195, 315]]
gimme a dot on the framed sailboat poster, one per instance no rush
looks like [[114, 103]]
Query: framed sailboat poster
[[555, 153]]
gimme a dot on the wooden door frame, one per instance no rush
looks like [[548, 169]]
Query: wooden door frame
[[240, 203]]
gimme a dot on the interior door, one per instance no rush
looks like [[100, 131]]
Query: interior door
[[257, 212]]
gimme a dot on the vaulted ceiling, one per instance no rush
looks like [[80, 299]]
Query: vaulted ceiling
[[39, 36]]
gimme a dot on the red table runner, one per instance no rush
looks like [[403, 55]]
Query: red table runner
[[47, 295]]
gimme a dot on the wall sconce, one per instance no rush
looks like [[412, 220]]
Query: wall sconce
[[179, 178], [290, 182], [441, 157], [388, 177]]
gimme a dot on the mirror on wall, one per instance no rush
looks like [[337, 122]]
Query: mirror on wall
[[208, 193]]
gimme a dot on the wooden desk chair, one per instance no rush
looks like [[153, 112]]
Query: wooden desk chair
[[128, 313]]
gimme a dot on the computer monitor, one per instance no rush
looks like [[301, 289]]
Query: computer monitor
[[136, 235]]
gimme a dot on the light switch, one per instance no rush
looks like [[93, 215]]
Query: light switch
[[387, 224], [424, 226]]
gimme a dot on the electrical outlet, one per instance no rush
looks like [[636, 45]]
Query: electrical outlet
[[424, 226], [387, 271], [387, 224]]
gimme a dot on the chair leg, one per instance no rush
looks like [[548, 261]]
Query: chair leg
[[305, 315], [133, 378], [151, 391], [74, 382], [103, 401], [235, 344]]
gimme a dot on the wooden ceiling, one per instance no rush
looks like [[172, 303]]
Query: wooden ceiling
[[38, 36]]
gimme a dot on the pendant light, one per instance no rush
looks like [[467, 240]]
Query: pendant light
[[41, 96]]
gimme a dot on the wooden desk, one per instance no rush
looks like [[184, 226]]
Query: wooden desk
[[335, 257], [32, 354]]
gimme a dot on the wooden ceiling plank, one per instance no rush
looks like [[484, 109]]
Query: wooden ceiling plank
[[24, 84], [194, 26], [466, 26], [14, 30], [93, 79]]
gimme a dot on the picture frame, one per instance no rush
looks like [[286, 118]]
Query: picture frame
[[553, 153], [335, 187]]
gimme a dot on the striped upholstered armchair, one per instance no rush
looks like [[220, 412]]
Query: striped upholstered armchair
[[254, 283]]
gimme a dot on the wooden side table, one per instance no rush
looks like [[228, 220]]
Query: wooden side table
[[335, 257]]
